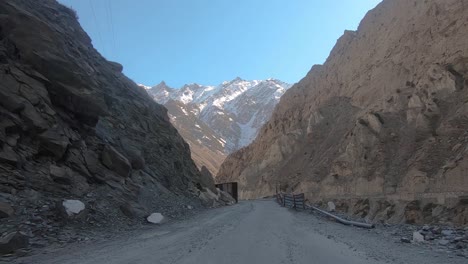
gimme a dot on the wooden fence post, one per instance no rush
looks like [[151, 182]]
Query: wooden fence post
[[294, 201]]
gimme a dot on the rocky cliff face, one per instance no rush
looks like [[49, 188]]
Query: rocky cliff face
[[73, 126], [381, 127], [206, 146], [217, 120]]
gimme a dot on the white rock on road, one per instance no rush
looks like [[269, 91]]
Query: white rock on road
[[418, 237], [249, 232], [73, 207], [259, 232], [155, 218], [331, 207]]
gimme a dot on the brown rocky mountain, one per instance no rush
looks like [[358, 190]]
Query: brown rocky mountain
[[74, 127], [381, 128], [206, 146]]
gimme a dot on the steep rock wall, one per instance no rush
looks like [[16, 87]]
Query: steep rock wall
[[73, 126], [384, 119]]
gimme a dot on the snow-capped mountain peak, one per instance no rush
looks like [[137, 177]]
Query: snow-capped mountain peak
[[235, 109]]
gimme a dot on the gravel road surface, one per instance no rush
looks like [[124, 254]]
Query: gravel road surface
[[249, 232]]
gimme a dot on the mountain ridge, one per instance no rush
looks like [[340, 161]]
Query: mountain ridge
[[232, 111]]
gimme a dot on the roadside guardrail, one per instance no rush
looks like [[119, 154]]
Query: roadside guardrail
[[296, 201]]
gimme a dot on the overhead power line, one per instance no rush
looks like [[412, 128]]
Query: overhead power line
[[96, 24], [110, 20]]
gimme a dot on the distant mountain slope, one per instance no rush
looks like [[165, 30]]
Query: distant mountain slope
[[217, 120], [206, 146]]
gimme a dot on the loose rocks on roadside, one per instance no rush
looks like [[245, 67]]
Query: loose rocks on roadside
[[442, 239]]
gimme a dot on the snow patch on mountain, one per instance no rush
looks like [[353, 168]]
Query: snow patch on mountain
[[144, 86], [248, 133]]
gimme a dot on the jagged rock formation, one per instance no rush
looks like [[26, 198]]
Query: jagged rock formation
[[381, 127], [73, 126], [217, 120]]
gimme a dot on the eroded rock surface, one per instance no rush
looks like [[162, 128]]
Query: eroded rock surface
[[6, 210], [12, 242], [381, 127], [73, 127]]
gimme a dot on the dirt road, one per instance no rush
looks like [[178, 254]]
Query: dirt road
[[249, 232]]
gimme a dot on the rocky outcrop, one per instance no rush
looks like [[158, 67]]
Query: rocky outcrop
[[134, 210], [73, 127], [207, 179], [226, 197], [115, 161], [380, 128], [6, 210], [12, 242]]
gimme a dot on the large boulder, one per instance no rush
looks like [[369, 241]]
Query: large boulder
[[137, 160], [54, 141], [133, 210], [116, 66], [33, 118], [12, 242], [226, 197], [6, 210], [115, 161], [206, 179], [10, 102], [60, 175], [208, 198], [7, 155], [133, 152]]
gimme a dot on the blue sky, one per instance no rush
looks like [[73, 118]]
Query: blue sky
[[210, 41]]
